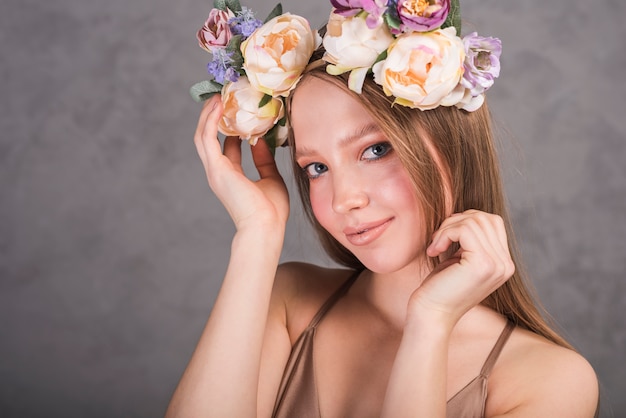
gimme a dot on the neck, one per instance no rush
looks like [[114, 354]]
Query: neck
[[389, 293]]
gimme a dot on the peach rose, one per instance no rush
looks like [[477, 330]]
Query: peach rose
[[242, 115], [276, 54], [423, 70]]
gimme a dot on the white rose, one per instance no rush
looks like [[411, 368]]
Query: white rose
[[423, 70], [351, 44], [469, 102], [276, 54], [242, 115]]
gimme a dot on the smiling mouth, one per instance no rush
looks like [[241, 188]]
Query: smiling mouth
[[363, 231], [366, 234]]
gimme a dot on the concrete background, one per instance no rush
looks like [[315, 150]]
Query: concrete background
[[112, 246]]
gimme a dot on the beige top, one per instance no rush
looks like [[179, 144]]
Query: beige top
[[297, 394]]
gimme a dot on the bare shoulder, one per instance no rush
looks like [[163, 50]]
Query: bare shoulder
[[535, 377], [304, 280], [304, 288]]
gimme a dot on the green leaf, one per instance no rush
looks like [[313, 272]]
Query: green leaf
[[233, 5], [265, 100], [219, 4], [454, 17], [392, 21], [234, 45], [271, 139], [204, 90], [237, 63], [381, 57], [276, 11]]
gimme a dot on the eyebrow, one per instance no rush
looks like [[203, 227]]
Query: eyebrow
[[360, 132]]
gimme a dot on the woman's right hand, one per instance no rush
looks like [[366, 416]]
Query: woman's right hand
[[264, 202]]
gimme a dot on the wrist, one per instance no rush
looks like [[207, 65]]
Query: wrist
[[261, 225], [429, 326], [259, 237]]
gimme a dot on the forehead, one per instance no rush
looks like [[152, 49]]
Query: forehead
[[321, 111]]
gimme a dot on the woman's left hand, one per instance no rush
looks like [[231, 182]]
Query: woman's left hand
[[482, 264]]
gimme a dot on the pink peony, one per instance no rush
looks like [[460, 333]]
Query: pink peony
[[216, 31], [422, 15]]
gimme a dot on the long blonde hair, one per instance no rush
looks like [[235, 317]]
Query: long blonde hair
[[465, 147]]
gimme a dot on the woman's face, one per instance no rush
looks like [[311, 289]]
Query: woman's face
[[360, 192]]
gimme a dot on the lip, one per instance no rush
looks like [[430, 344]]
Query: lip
[[364, 234]]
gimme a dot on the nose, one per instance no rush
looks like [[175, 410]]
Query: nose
[[348, 192]]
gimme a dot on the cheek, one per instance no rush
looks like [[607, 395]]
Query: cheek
[[320, 205], [394, 185], [400, 189], [398, 192]]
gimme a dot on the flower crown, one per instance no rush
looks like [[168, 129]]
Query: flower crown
[[410, 46]]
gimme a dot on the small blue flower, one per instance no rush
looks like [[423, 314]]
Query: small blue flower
[[221, 66], [244, 23]]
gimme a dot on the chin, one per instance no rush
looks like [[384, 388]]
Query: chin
[[387, 264]]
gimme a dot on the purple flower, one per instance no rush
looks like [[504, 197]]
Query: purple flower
[[244, 23], [374, 8], [347, 8], [422, 15], [221, 66], [482, 62]]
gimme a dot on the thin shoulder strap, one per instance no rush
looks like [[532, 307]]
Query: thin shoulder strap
[[497, 348], [330, 302]]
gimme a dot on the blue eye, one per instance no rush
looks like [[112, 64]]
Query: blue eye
[[377, 151], [314, 170]]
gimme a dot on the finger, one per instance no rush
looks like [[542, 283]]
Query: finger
[[477, 255], [436, 246], [500, 228], [232, 150], [206, 139], [493, 228], [472, 229], [207, 107], [467, 233], [209, 134], [264, 160], [484, 224], [478, 234]]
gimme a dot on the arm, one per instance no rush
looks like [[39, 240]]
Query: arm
[[222, 376], [537, 379], [417, 385]]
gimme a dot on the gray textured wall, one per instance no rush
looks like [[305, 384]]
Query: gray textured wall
[[112, 246]]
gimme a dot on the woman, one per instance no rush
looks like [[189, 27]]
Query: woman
[[430, 317]]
